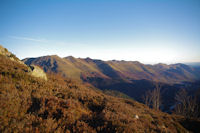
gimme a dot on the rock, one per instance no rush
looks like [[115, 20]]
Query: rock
[[38, 72], [136, 116]]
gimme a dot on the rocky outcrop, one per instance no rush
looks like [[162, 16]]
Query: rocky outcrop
[[11, 56], [38, 72], [35, 71]]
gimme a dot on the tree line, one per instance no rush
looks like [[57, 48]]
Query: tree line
[[185, 105]]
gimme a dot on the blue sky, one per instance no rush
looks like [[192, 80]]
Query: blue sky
[[149, 31]]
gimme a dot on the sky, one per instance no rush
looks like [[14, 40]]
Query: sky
[[149, 31]]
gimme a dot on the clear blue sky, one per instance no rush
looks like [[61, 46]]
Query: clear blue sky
[[149, 31]]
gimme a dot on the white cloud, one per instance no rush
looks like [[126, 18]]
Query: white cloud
[[28, 39]]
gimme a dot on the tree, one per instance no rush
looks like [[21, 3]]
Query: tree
[[181, 98], [186, 105], [156, 97], [147, 98], [153, 98]]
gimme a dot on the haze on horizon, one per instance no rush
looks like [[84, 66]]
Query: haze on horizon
[[149, 31]]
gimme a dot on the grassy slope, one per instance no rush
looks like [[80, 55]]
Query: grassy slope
[[69, 67], [29, 104]]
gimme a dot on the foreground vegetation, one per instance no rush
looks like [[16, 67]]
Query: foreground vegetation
[[29, 104]]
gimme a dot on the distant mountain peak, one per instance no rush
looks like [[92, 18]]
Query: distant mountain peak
[[69, 57], [88, 59]]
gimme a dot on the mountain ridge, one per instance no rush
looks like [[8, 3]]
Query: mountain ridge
[[173, 73]]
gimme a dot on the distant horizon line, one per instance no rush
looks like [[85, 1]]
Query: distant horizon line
[[192, 62], [147, 63]]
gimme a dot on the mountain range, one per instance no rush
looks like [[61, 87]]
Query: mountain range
[[91, 69], [129, 77], [30, 103]]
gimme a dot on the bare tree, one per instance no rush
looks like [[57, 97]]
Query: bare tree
[[153, 98], [156, 97], [193, 107], [186, 105], [148, 98], [181, 102]]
